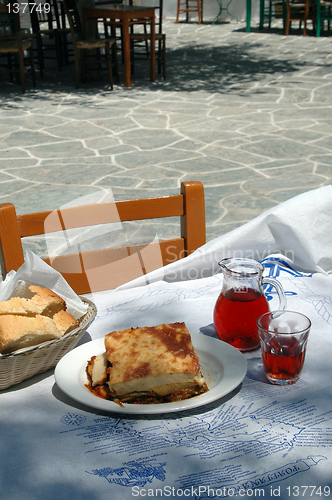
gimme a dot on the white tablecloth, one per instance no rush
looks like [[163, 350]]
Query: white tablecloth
[[259, 441]]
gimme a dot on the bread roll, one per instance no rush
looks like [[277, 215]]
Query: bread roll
[[65, 322], [17, 332], [44, 302]]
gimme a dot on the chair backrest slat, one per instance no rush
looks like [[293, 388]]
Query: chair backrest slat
[[103, 213]]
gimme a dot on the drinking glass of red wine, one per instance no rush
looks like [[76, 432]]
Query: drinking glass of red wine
[[283, 336], [242, 301]]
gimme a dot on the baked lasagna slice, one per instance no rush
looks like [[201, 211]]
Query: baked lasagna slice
[[147, 365]]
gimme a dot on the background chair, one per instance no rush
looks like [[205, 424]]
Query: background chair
[[323, 13], [137, 39], [50, 31], [270, 9], [108, 268], [297, 10], [13, 47], [93, 45], [188, 6]]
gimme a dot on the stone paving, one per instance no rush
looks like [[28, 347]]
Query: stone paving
[[248, 114]]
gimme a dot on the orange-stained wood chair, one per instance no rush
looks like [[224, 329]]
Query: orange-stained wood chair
[[298, 10], [107, 268], [188, 6]]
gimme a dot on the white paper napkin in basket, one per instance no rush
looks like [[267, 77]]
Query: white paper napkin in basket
[[35, 271]]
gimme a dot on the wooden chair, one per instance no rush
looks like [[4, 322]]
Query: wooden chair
[[11, 44], [138, 38], [108, 268], [50, 34], [188, 6], [89, 44], [298, 10]]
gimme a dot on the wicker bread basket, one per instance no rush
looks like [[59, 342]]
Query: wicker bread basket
[[24, 363]]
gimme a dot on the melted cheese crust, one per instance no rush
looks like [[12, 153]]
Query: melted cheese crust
[[158, 359]]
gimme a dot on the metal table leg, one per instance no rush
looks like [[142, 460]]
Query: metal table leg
[[221, 8], [248, 15]]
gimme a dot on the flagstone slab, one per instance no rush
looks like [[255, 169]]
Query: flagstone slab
[[77, 130], [25, 138], [30, 122], [60, 149], [64, 174], [270, 185], [110, 151], [282, 148], [8, 164], [323, 159], [138, 158], [241, 156], [39, 198], [14, 153]]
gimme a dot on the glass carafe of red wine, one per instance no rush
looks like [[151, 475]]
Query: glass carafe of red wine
[[242, 301]]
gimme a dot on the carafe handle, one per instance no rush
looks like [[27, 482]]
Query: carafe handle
[[280, 291]]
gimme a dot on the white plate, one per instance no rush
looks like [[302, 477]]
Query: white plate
[[223, 368]]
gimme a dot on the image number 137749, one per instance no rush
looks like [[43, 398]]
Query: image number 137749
[[24, 7]]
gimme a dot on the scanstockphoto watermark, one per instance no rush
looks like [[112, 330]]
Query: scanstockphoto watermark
[[196, 492], [227, 252], [207, 264], [203, 492]]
